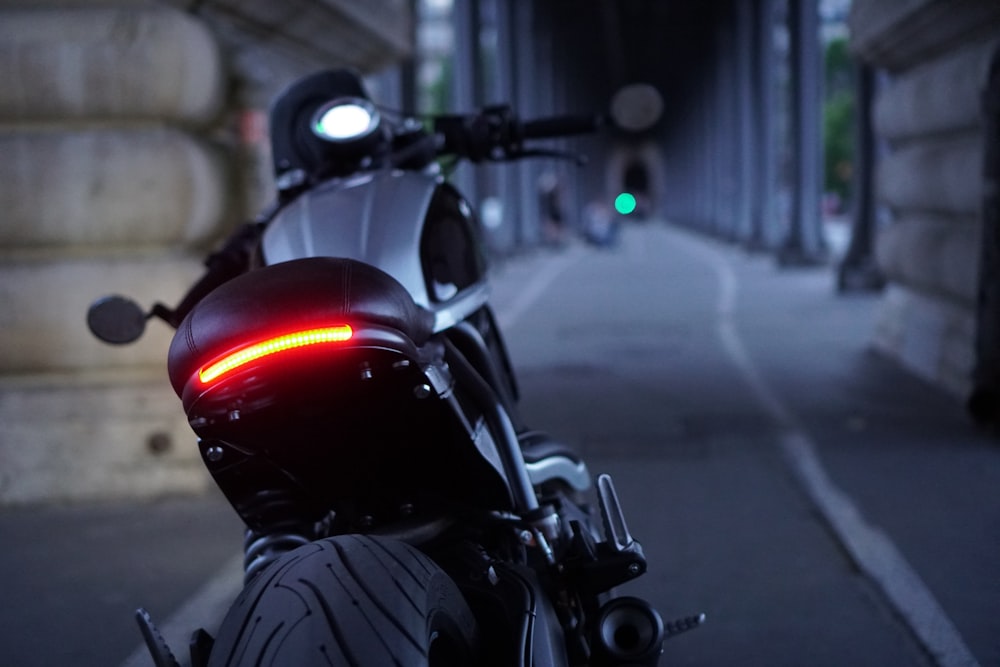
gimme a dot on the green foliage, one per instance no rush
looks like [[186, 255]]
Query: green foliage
[[437, 97], [838, 67], [838, 119], [838, 143]]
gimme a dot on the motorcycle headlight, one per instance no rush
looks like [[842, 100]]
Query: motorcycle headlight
[[346, 121]]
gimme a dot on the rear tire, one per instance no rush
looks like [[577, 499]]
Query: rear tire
[[349, 600]]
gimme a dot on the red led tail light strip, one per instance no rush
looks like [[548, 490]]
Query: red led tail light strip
[[274, 345]]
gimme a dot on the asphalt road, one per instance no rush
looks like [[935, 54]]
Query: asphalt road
[[821, 506]]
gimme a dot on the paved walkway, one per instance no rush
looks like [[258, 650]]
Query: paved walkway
[[820, 505], [721, 380]]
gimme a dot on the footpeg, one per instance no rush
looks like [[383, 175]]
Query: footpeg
[[682, 625], [598, 567], [157, 645]]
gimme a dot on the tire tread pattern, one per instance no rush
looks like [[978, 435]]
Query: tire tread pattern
[[350, 600]]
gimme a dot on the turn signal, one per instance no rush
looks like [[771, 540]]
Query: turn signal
[[271, 346]]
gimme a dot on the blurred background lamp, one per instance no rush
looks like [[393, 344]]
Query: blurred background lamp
[[637, 107], [625, 203]]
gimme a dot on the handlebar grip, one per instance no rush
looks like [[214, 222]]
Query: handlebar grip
[[561, 126]]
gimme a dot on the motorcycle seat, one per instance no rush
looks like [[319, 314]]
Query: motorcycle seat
[[292, 296]]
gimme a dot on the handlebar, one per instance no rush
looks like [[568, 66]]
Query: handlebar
[[561, 126], [496, 133]]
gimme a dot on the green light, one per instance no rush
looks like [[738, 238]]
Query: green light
[[625, 203]]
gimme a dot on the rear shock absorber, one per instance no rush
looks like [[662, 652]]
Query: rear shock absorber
[[262, 549], [275, 529]]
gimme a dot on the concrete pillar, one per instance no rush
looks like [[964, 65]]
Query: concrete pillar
[[749, 145], [109, 183], [725, 136], [858, 270], [493, 82], [931, 182], [528, 62], [708, 189], [509, 183], [762, 234], [930, 118], [984, 401], [465, 85], [804, 243]]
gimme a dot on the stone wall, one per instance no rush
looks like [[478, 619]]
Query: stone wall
[[110, 182], [124, 140], [935, 55]]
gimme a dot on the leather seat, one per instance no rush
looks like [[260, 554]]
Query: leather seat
[[292, 296]]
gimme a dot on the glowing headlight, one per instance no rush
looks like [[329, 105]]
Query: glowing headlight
[[345, 120]]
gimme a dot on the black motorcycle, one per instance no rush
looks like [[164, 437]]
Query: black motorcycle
[[353, 400]]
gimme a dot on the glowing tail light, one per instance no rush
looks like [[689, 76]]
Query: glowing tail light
[[274, 345]]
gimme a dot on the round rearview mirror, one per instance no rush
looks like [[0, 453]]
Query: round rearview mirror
[[116, 320], [636, 107]]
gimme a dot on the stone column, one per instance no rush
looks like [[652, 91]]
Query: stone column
[[510, 180], [466, 93], [749, 144], [804, 243], [109, 183], [858, 271], [984, 401], [725, 155], [530, 59], [930, 178], [765, 177]]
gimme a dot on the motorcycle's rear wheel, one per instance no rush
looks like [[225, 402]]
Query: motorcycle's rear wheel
[[349, 600]]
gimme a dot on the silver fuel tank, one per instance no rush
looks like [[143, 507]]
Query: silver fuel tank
[[413, 226]]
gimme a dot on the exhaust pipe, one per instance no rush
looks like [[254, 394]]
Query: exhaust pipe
[[628, 632]]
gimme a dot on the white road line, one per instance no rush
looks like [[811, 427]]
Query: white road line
[[872, 550]]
